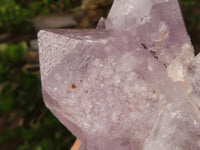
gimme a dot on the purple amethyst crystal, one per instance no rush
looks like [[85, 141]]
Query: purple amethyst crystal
[[131, 84]]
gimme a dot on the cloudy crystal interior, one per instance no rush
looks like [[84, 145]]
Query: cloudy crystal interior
[[131, 84]]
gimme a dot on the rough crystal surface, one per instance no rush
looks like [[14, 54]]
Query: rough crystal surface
[[131, 84], [160, 20]]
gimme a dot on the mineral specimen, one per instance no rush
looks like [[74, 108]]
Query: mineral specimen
[[131, 84]]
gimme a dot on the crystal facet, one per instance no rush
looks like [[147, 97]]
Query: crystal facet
[[131, 84]]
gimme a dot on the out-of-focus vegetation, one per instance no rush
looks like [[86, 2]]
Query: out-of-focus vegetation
[[16, 14], [191, 15], [28, 124], [25, 123]]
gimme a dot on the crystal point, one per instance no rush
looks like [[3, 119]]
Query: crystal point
[[131, 84]]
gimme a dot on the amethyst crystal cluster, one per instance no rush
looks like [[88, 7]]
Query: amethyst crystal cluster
[[131, 84]]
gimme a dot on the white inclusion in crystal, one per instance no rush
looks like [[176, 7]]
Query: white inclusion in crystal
[[164, 29], [150, 68], [116, 79], [162, 34], [160, 1], [97, 63], [115, 117], [178, 67], [144, 20], [128, 10], [57, 76], [55, 89], [88, 37]]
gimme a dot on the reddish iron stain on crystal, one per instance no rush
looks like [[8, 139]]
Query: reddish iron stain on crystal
[[73, 86], [86, 91], [128, 101], [68, 92], [154, 91]]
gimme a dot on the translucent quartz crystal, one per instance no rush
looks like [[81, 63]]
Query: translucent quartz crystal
[[130, 84], [157, 24]]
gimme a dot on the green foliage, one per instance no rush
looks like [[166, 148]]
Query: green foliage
[[20, 95], [28, 125], [13, 53], [187, 2], [12, 57], [36, 137], [44, 7], [18, 13], [12, 14], [192, 19], [7, 102]]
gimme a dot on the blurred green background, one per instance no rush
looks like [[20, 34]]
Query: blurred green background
[[25, 122]]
